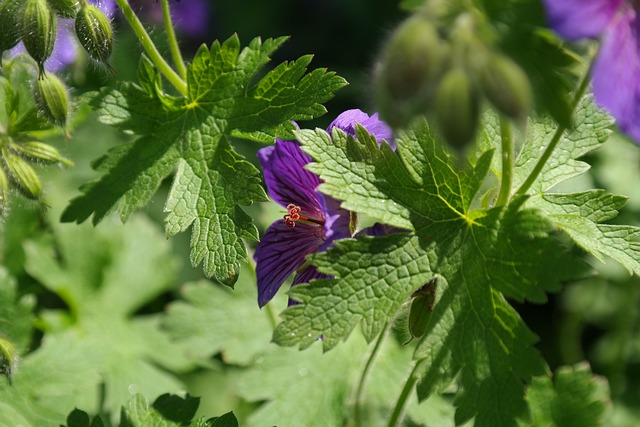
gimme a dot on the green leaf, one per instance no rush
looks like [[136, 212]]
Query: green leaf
[[16, 314], [482, 256], [166, 411], [104, 276], [416, 189], [374, 277], [213, 319], [579, 214], [226, 420], [575, 398], [591, 129], [190, 136]]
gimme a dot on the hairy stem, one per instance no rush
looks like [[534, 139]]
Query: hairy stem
[[173, 41], [403, 399], [507, 161], [537, 170], [364, 375], [150, 48]]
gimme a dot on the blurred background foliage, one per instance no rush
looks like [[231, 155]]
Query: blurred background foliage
[[105, 312]]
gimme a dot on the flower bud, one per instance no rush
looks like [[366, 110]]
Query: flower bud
[[9, 24], [422, 308], [22, 175], [506, 86], [94, 32], [52, 98], [39, 28], [65, 8], [411, 63], [4, 190], [457, 107], [37, 150], [8, 358]]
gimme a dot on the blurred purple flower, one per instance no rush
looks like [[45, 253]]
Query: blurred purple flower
[[65, 49], [616, 70], [313, 220], [190, 17]]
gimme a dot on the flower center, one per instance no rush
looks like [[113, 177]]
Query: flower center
[[293, 215]]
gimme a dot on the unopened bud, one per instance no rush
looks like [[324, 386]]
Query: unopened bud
[[422, 308], [4, 190], [40, 151], [22, 175], [65, 8], [8, 358], [506, 86], [39, 28], [457, 107], [411, 64], [94, 32], [52, 98], [9, 24]]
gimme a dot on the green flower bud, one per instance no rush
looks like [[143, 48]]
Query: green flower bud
[[8, 358], [411, 63], [4, 190], [507, 86], [9, 24], [37, 150], [65, 8], [52, 98], [422, 308], [39, 26], [94, 32], [457, 107], [22, 174]]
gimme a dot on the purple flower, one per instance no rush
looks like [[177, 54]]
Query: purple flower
[[190, 17], [616, 70], [313, 221]]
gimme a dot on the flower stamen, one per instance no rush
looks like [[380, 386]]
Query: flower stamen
[[293, 215]]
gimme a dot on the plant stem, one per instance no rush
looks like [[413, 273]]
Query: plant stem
[[537, 170], [357, 409], [150, 48], [403, 399], [507, 161], [173, 41]]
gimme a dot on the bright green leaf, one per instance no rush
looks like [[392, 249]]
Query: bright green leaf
[[374, 277], [575, 398], [191, 136]]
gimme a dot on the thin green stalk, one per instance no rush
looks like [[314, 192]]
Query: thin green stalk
[[173, 41], [150, 48], [403, 399], [537, 170], [507, 162], [357, 405]]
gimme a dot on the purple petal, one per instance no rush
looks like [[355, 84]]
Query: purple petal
[[616, 72], [347, 123], [281, 251], [575, 19], [192, 17], [287, 179], [337, 220]]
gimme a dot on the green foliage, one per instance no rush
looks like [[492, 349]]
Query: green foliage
[[191, 137], [374, 277], [166, 411], [573, 399], [103, 276]]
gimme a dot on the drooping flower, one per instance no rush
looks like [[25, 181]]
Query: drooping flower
[[616, 70], [313, 220]]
